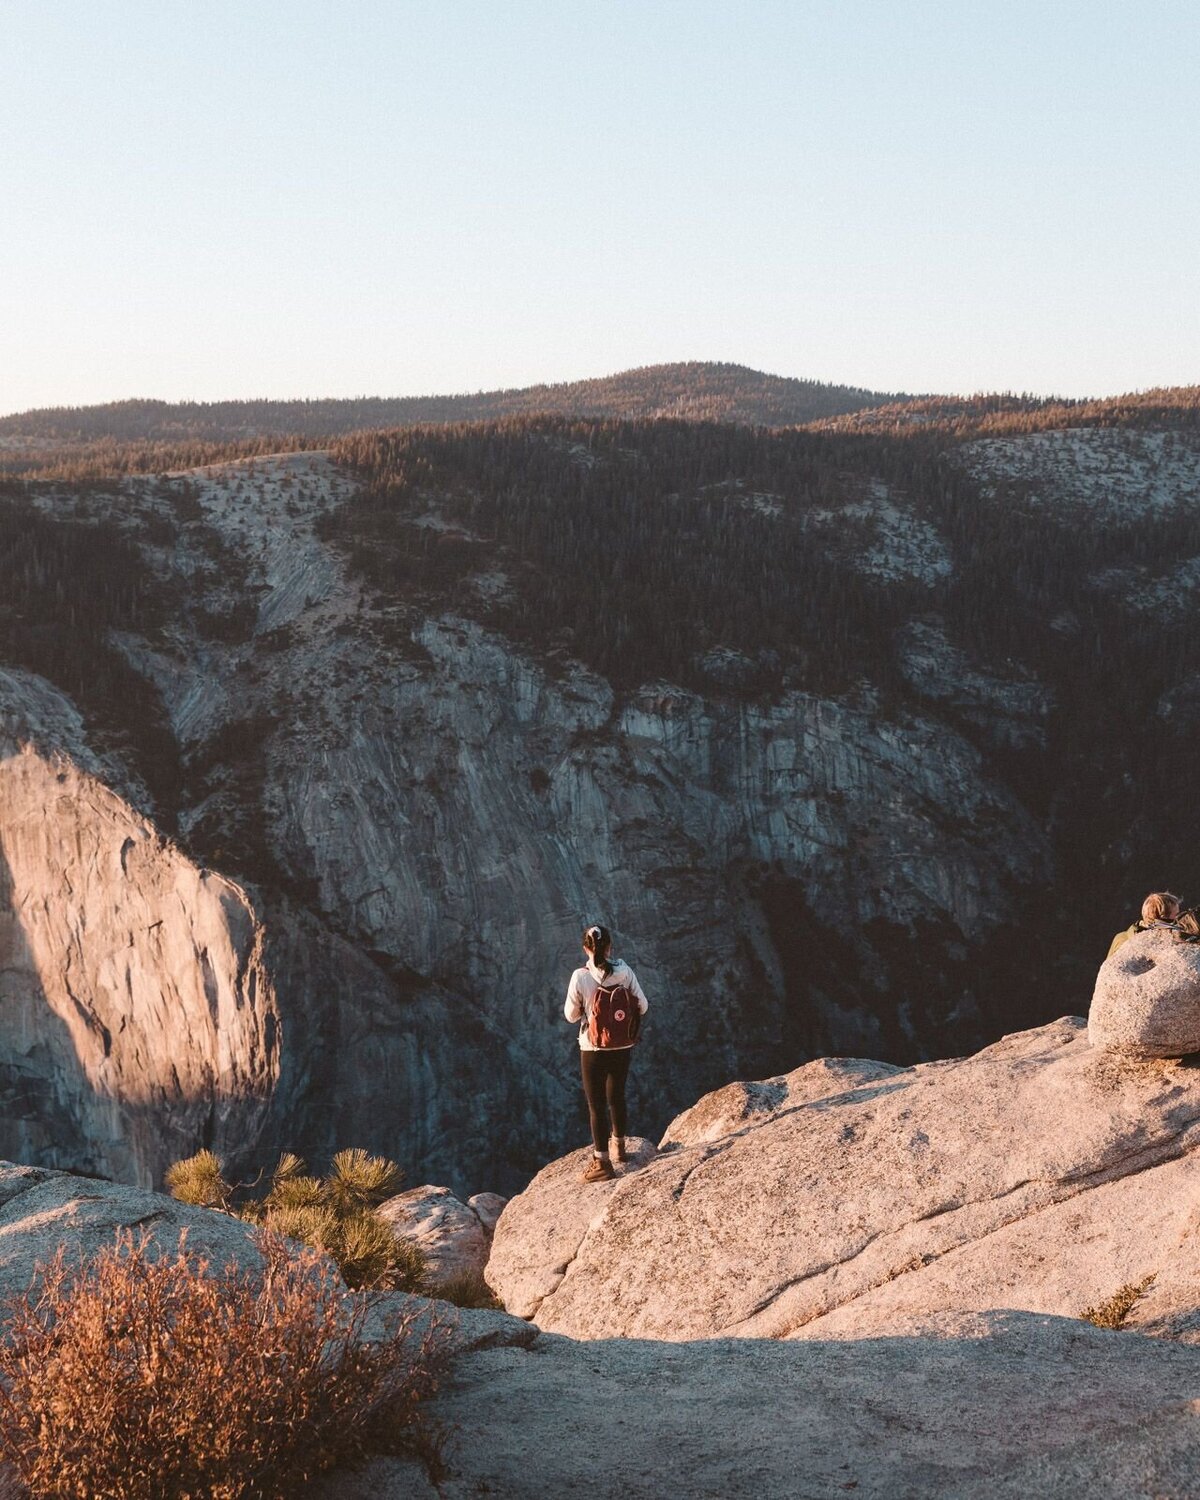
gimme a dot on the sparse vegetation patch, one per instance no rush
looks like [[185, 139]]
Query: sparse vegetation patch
[[138, 1376], [334, 1214], [1112, 1312]]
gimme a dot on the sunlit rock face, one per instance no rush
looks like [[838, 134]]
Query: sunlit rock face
[[137, 1017], [1040, 1174]]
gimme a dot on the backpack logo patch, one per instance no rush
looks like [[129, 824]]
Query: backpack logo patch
[[615, 1019]]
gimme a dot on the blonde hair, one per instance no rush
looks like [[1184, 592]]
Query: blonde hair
[[1160, 906]]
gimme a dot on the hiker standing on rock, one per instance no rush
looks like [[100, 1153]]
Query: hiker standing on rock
[[605, 998]]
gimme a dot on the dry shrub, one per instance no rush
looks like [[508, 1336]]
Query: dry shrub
[[1112, 1312], [466, 1289], [139, 1376]]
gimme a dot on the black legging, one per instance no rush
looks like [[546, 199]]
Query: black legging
[[604, 1075]]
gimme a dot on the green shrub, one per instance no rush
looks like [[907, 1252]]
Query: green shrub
[[357, 1181], [334, 1214], [198, 1180], [146, 1376]]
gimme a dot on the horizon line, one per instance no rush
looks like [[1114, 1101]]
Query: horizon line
[[558, 385]]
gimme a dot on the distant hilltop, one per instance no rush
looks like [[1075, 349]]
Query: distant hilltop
[[143, 436], [694, 391]]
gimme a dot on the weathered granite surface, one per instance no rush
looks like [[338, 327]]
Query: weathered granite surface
[[488, 1208], [451, 1234], [1147, 997], [541, 1230], [1040, 1174], [41, 1210], [740, 1104], [1006, 1404]]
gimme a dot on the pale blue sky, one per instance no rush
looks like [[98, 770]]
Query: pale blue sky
[[214, 199]]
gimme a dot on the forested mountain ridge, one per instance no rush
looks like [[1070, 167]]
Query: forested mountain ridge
[[864, 743], [133, 436], [145, 437], [1008, 415]]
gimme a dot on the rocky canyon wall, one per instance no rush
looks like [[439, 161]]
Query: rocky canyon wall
[[345, 911], [137, 1017]]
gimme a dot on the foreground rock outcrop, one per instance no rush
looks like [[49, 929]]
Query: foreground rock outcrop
[[964, 1406], [1010, 1405], [1040, 1174], [1147, 997], [41, 1210], [452, 1235]]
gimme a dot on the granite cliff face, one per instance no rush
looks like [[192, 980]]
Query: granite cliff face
[[339, 907], [138, 1016]]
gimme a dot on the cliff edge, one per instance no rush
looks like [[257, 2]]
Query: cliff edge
[[845, 1201]]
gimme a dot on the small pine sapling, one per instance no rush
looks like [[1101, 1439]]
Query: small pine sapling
[[334, 1214]]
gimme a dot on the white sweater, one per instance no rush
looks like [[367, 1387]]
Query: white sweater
[[581, 996]]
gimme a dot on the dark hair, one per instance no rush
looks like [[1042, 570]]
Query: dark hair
[[597, 941]]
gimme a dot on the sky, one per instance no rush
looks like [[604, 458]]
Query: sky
[[205, 200]]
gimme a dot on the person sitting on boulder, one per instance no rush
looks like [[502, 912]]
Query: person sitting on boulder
[[1159, 909], [605, 998]]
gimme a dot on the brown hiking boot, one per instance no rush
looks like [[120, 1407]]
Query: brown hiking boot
[[600, 1169], [622, 1154]]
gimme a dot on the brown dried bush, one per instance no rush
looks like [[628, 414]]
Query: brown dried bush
[[1112, 1312], [466, 1289], [147, 1376]]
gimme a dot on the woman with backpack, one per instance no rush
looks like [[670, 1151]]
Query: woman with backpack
[[605, 998]]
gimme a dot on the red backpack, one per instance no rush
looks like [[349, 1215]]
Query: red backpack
[[615, 1019]]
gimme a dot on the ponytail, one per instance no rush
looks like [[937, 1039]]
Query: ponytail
[[597, 941]]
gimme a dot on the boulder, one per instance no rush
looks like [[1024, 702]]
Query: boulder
[[728, 1109], [1147, 998], [447, 1230], [488, 1208], [532, 1252], [1040, 1174], [41, 1210]]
